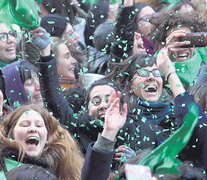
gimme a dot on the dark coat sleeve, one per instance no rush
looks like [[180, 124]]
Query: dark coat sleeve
[[196, 148], [52, 94], [96, 15], [96, 165], [125, 27]]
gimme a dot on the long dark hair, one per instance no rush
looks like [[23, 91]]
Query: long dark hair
[[122, 74]]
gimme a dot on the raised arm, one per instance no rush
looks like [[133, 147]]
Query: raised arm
[[168, 70], [195, 150], [97, 14], [49, 82], [99, 157], [124, 32]]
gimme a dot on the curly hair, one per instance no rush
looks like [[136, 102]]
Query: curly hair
[[167, 20], [62, 154]]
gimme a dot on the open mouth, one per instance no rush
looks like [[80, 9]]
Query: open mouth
[[101, 117], [37, 98], [72, 69], [182, 56], [33, 141], [151, 88]]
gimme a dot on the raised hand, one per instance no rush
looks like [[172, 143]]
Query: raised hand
[[174, 45], [168, 70], [41, 40], [114, 118], [164, 63], [123, 153]]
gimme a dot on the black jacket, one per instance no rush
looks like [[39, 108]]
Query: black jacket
[[97, 14], [84, 128], [122, 45]]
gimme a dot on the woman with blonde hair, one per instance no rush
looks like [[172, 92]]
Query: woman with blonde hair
[[66, 63], [31, 135]]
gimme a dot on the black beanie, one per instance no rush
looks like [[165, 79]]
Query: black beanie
[[104, 35], [54, 24]]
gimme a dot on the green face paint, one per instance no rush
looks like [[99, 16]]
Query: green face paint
[[162, 159]]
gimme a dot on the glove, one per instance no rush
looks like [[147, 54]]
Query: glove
[[40, 41], [128, 153]]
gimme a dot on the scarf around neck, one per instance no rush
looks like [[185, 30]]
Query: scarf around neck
[[149, 46], [188, 70], [153, 111]]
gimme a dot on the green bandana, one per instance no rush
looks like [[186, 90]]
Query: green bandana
[[10, 164], [188, 70], [162, 159]]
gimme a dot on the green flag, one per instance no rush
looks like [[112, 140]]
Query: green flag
[[162, 159]]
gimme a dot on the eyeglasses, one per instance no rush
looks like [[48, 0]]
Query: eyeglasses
[[4, 36], [145, 72], [147, 17]]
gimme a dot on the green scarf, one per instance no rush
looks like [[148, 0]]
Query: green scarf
[[162, 159], [10, 164], [188, 70], [2, 64]]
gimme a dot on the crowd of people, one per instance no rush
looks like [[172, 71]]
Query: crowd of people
[[105, 90]]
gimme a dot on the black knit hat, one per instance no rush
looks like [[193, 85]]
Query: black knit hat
[[54, 24], [104, 35]]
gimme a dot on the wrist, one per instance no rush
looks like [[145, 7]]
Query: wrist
[[169, 75], [46, 51], [109, 134]]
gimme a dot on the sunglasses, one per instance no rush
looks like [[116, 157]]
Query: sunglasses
[[145, 72], [4, 36], [147, 17]]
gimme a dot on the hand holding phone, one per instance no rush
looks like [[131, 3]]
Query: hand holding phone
[[197, 39]]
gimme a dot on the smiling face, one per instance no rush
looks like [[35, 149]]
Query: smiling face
[[143, 24], [70, 36], [32, 89], [147, 88], [31, 131], [181, 54], [98, 103], [65, 62], [7, 48]]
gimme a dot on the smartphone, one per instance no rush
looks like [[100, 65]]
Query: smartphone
[[197, 39]]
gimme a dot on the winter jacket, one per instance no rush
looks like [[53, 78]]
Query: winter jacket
[[14, 87], [9, 161], [123, 43], [97, 14], [194, 151], [98, 161], [136, 135], [121, 47]]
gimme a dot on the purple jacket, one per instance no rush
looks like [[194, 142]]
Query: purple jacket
[[14, 87]]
